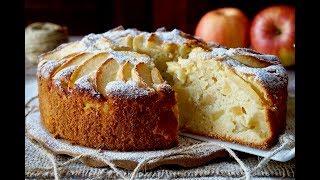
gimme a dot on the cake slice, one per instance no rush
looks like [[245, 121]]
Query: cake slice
[[236, 95]]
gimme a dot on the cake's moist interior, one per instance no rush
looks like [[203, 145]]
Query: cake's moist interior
[[213, 100]]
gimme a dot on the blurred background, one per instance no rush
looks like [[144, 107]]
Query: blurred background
[[247, 24], [86, 16]]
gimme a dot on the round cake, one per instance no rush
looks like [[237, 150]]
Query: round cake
[[130, 90]]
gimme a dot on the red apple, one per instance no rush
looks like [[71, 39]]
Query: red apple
[[273, 32], [225, 26]]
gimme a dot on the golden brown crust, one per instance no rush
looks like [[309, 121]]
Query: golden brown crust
[[276, 114], [115, 123]]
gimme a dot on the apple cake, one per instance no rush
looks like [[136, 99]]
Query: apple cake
[[130, 90]]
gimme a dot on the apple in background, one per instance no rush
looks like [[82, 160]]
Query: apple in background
[[226, 26], [273, 32]]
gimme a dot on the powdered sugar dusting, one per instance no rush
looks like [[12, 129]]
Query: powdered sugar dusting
[[163, 87], [173, 36], [233, 63], [46, 69], [215, 53], [84, 84], [128, 89], [116, 35], [219, 52], [249, 52], [225, 53], [96, 42], [63, 74], [132, 57], [90, 39], [274, 76]]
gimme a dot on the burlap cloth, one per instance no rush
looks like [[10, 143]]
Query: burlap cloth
[[39, 166]]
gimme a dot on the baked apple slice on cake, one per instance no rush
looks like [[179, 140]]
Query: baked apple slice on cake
[[107, 72], [124, 74], [89, 66]]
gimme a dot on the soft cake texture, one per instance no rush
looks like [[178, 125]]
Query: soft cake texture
[[214, 100], [126, 90]]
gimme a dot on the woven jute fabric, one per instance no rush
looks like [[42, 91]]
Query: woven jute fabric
[[37, 165]]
